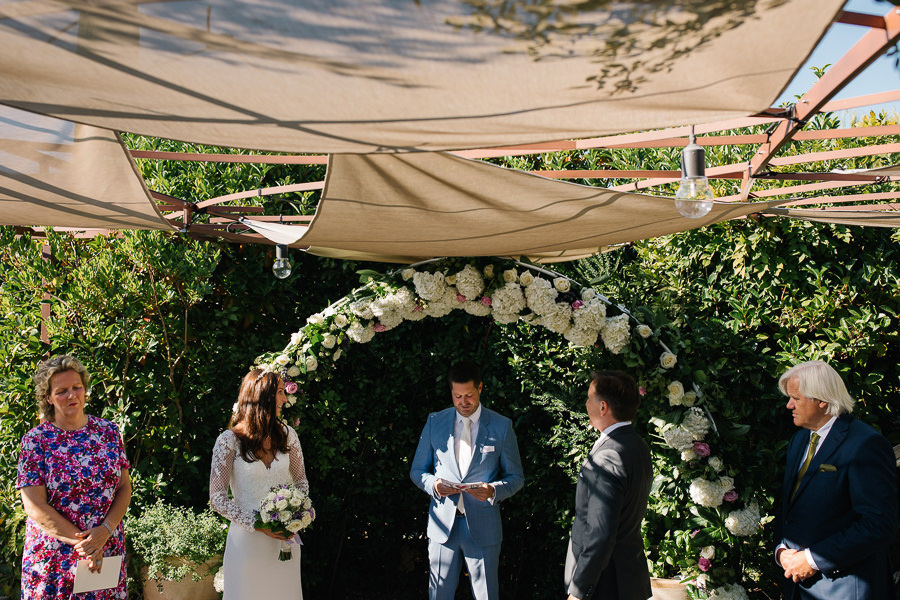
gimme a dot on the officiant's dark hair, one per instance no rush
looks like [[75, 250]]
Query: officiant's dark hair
[[463, 372], [255, 418], [619, 390]]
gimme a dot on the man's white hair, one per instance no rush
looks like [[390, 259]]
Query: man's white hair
[[817, 379]]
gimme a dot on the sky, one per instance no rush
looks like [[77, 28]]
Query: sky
[[881, 76]]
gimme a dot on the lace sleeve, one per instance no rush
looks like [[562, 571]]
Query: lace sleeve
[[224, 453], [298, 469]]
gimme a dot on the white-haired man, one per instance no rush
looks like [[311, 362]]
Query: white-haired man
[[839, 502]]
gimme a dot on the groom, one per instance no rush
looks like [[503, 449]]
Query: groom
[[472, 447]]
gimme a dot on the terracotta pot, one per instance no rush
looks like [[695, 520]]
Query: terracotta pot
[[668, 589], [187, 588]]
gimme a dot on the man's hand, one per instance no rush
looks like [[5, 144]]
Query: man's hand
[[443, 489], [571, 597], [485, 492], [795, 565]]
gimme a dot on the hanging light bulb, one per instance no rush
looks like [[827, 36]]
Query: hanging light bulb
[[281, 268], [694, 198]]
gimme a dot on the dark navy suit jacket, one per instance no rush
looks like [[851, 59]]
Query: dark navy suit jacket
[[845, 512]]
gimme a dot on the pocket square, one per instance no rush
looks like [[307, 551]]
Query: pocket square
[[827, 468], [487, 449]]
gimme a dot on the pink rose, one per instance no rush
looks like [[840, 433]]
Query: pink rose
[[290, 387], [701, 448], [297, 422], [730, 496], [642, 391], [418, 308], [460, 298], [379, 327], [704, 564], [486, 300], [577, 304]]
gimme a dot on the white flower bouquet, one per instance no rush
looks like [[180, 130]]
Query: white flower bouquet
[[285, 509]]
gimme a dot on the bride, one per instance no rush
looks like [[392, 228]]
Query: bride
[[257, 453]]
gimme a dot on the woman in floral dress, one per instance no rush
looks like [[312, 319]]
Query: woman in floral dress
[[73, 477]]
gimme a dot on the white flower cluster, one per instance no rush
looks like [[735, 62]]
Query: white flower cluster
[[731, 591], [710, 493], [616, 333], [743, 522], [696, 422], [219, 580], [288, 507], [679, 438], [469, 282]]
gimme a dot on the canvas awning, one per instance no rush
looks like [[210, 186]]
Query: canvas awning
[[347, 76]]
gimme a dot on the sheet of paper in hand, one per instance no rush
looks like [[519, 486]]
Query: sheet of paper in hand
[[89, 581], [465, 486]]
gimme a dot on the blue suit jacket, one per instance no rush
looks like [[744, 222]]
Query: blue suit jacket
[[495, 461], [845, 512]]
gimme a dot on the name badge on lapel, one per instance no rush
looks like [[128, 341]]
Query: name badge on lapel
[[486, 449]]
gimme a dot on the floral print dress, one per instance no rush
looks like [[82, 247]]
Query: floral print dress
[[81, 471]]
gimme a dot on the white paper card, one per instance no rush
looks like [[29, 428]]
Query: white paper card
[[88, 581]]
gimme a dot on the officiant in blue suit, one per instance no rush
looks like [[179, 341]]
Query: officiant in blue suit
[[838, 512], [472, 447]]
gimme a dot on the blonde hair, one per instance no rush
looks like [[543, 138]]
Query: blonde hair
[[818, 380], [45, 372]]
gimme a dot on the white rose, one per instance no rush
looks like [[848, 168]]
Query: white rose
[[307, 504], [316, 319], [294, 526], [270, 506], [291, 400], [311, 363], [296, 338], [668, 360], [340, 320], [329, 340], [562, 284], [281, 504], [264, 517], [688, 455], [690, 398], [588, 294], [716, 463], [644, 331], [489, 271], [283, 360], [676, 393], [306, 519], [708, 552], [526, 278], [510, 276], [337, 355], [293, 371], [408, 274]]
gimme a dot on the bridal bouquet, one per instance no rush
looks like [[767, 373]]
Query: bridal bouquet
[[285, 509]]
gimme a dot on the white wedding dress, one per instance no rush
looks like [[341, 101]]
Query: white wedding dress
[[251, 567]]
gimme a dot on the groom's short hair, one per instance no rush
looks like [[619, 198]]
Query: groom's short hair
[[619, 391], [463, 372]]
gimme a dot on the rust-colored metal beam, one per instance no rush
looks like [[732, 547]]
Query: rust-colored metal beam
[[872, 45]]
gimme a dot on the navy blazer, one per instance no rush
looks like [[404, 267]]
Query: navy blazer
[[495, 460], [845, 512]]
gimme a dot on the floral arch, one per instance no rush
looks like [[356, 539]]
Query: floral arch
[[718, 518]]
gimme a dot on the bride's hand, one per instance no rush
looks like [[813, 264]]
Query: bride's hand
[[274, 535]]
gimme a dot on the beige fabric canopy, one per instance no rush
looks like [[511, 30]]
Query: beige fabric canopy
[[421, 205], [387, 75], [868, 218], [57, 173]]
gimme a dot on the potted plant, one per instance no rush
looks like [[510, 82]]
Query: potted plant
[[171, 543]]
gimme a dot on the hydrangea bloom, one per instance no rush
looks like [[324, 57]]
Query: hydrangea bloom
[[743, 522]]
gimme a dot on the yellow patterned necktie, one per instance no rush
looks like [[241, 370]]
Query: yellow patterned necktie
[[813, 442]]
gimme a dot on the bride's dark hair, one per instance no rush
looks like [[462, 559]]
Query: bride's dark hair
[[255, 418]]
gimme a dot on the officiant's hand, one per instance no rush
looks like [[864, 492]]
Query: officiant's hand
[[276, 535], [444, 490], [92, 541], [485, 492], [95, 561]]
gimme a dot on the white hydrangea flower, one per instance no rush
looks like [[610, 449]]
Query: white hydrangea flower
[[219, 580], [443, 305], [415, 315], [469, 282], [696, 422], [504, 318], [293, 371], [390, 319], [678, 438], [616, 334], [676, 393], [360, 333], [559, 320], [541, 296], [588, 294], [716, 463], [644, 331], [429, 286], [591, 316], [475, 307], [362, 308], [451, 279], [743, 522], [526, 278], [667, 360], [729, 591], [510, 276], [508, 299], [581, 337], [709, 493], [562, 284]]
